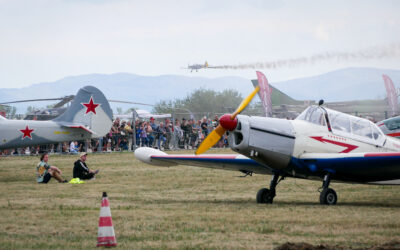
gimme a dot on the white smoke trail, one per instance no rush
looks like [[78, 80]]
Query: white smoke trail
[[377, 52]]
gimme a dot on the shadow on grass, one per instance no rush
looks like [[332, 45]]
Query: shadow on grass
[[340, 204], [275, 204]]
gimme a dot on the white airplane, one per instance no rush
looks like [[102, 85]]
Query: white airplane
[[391, 126], [89, 116], [320, 144]]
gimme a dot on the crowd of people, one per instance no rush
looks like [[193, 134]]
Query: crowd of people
[[162, 134]]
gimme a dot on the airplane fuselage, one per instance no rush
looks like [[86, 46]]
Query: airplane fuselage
[[302, 149], [22, 133]]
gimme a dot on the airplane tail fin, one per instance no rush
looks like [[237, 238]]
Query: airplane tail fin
[[89, 110], [206, 64]]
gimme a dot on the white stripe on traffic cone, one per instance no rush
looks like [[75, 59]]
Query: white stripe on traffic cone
[[106, 235]]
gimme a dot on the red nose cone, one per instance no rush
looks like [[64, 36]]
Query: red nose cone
[[227, 123]]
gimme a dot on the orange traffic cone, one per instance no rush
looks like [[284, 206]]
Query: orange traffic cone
[[106, 235]]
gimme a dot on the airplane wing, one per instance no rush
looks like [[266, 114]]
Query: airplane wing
[[235, 162]]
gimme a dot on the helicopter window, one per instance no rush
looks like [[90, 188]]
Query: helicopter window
[[393, 123], [314, 115]]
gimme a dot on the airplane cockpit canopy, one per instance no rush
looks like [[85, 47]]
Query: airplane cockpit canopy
[[392, 123], [344, 124]]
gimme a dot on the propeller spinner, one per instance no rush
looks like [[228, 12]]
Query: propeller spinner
[[227, 122]]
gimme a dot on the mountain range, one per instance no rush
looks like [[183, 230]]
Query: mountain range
[[341, 85]]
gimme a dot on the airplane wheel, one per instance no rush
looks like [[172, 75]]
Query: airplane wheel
[[328, 197], [264, 195]]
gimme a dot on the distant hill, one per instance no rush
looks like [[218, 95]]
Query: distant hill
[[341, 85]]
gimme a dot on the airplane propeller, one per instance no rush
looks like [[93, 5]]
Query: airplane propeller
[[226, 122]]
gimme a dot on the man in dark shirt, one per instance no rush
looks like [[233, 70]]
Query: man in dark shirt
[[204, 127], [81, 170]]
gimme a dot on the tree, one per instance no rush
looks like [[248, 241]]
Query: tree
[[9, 110], [202, 102], [130, 110], [31, 109]]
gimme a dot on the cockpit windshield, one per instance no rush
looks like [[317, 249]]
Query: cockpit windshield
[[344, 124], [314, 115]]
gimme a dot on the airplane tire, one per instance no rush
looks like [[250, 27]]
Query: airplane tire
[[264, 195], [328, 197]]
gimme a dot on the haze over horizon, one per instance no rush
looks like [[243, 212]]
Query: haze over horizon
[[47, 40]]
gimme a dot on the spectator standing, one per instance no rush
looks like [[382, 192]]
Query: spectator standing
[[204, 127], [215, 122], [185, 130], [190, 134], [178, 133], [115, 134], [138, 131], [129, 132], [195, 133], [168, 130], [153, 134], [143, 135], [161, 132]]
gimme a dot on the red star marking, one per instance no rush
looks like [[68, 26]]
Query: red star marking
[[26, 132], [91, 106]]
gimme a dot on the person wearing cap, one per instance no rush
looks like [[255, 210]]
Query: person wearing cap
[[81, 170]]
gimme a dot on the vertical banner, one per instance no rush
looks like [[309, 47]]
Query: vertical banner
[[391, 96], [265, 94]]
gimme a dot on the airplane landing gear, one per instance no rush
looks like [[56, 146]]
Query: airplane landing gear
[[328, 195], [265, 195]]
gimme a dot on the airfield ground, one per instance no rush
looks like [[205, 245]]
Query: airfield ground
[[185, 207]]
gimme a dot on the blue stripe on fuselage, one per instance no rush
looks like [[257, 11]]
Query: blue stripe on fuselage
[[352, 169]]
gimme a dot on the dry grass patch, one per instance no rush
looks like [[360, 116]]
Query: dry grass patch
[[184, 207]]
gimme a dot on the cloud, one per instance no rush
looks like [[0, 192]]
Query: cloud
[[321, 32]]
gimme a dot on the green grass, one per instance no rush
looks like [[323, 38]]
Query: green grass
[[184, 207]]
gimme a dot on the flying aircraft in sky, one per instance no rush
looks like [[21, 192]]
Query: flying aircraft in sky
[[88, 116], [198, 66], [320, 144]]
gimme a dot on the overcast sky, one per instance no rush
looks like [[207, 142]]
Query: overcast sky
[[46, 40]]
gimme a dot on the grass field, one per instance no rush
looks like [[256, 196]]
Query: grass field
[[184, 207]]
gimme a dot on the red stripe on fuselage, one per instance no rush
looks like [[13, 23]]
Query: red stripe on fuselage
[[382, 154], [394, 134]]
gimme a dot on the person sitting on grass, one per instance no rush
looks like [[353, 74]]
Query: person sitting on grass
[[81, 170], [45, 171]]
